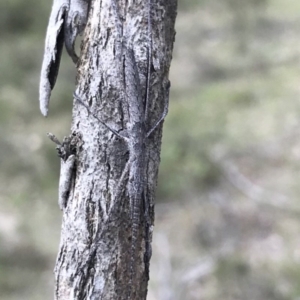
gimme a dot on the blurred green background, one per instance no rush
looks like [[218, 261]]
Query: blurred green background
[[228, 210]]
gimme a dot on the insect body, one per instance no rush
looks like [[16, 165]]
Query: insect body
[[136, 138]]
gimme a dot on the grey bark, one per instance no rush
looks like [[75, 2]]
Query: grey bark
[[96, 238]]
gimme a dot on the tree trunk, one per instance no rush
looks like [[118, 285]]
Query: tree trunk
[[99, 258]]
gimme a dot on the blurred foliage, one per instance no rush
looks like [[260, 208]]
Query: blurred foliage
[[227, 214], [19, 17]]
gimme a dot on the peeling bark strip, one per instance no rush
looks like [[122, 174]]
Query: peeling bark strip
[[67, 152], [107, 225], [67, 20]]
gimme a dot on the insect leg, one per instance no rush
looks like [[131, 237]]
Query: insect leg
[[79, 100], [165, 112]]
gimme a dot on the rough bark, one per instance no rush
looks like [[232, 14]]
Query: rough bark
[[95, 248]]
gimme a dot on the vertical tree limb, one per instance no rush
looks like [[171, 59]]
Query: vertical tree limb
[[95, 248]]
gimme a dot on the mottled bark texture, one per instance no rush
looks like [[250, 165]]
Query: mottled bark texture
[[96, 240]]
